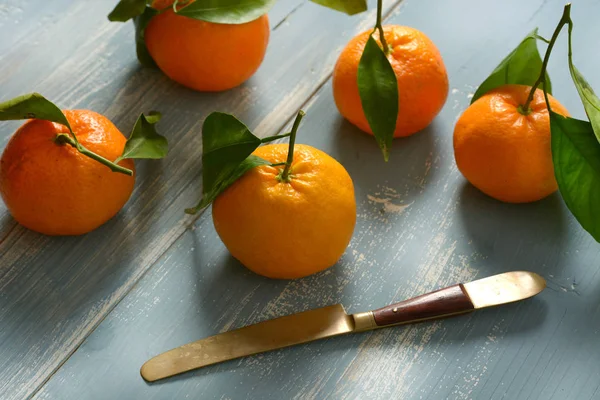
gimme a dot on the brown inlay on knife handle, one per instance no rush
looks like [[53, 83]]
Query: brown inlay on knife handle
[[444, 302]]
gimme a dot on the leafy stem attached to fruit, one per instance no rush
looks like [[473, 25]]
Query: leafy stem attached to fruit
[[379, 26], [227, 146], [143, 142], [575, 148], [285, 175], [565, 19], [378, 87], [64, 138], [71, 139]]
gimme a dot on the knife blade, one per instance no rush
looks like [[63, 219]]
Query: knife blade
[[333, 320]]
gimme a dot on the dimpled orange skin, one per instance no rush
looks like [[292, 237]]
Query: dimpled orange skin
[[56, 190], [503, 153], [202, 55], [288, 230], [420, 72]]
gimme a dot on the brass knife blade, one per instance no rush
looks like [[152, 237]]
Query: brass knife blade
[[264, 336]]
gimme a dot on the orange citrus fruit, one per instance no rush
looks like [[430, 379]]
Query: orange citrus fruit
[[420, 72], [289, 229], [202, 55], [52, 188], [503, 152]]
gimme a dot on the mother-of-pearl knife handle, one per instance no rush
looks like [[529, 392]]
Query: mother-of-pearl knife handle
[[444, 302]]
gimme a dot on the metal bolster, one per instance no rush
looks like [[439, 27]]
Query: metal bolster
[[364, 321]]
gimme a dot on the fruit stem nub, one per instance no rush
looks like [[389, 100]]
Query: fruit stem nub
[[565, 19], [285, 175], [63, 138], [378, 26]]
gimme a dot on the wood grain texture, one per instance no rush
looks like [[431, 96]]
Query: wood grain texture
[[443, 302], [54, 291], [419, 227]]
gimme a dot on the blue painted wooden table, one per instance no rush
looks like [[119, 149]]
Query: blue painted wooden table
[[79, 315]]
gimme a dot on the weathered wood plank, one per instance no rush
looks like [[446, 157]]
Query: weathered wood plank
[[420, 226], [53, 291]]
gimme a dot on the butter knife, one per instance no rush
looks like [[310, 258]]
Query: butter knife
[[332, 321]]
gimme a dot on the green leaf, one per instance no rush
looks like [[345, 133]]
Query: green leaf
[[32, 105], [576, 158], [153, 117], [225, 11], [226, 181], [522, 66], [127, 9], [144, 141], [226, 142], [349, 7], [378, 89], [226, 148], [141, 21], [590, 101]]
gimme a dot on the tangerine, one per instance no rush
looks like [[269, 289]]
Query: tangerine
[[52, 188], [202, 55], [288, 229], [420, 72], [505, 151]]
